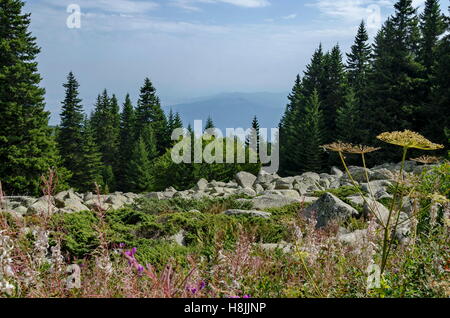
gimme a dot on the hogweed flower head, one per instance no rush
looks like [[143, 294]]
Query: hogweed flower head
[[408, 139], [360, 149], [426, 159], [337, 146]]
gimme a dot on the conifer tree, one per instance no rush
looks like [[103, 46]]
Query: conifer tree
[[347, 121], [289, 134], [92, 160], [127, 140], [27, 147], [149, 139], [70, 137], [105, 121], [254, 138], [209, 123], [333, 93], [313, 78], [358, 64], [149, 111], [138, 174], [313, 135]]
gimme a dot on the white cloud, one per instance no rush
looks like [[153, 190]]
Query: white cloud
[[114, 6], [192, 5], [349, 10], [290, 17]]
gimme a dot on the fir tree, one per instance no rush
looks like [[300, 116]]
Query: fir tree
[[127, 139], [358, 64], [313, 135], [106, 121], [149, 111], [70, 137], [253, 139], [27, 147], [149, 139], [209, 123], [138, 172], [333, 93], [313, 78], [92, 160], [347, 121], [289, 134]]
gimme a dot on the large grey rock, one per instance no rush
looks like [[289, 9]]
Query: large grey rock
[[118, 201], [376, 186], [63, 196], [293, 194], [43, 205], [264, 178], [253, 213], [353, 238], [245, 179], [283, 184], [310, 175], [247, 191], [271, 201], [73, 205], [284, 247], [201, 185], [359, 173], [381, 174], [155, 195], [337, 172], [329, 208], [372, 207]]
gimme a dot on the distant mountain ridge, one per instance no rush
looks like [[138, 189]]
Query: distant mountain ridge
[[234, 110]]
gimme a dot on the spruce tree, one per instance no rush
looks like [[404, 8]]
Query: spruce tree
[[347, 121], [209, 123], [92, 160], [106, 121], [313, 135], [27, 147], [149, 139], [149, 111], [432, 26], [138, 174], [289, 134], [313, 78], [358, 64], [334, 89], [394, 88], [254, 138], [70, 139], [127, 140]]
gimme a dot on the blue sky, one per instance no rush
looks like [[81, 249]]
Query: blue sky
[[190, 48]]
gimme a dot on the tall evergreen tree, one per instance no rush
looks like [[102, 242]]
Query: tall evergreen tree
[[313, 135], [395, 82], [138, 174], [289, 134], [209, 123], [27, 147], [334, 89], [358, 64], [347, 121], [92, 160], [149, 111], [313, 78], [127, 140], [254, 138], [105, 121], [70, 139], [432, 26], [149, 139]]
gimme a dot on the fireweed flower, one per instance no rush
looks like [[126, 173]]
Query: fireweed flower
[[408, 139]]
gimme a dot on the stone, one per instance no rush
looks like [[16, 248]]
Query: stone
[[271, 201], [61, 197], [283, 184], [376, 186], [252, 213], [284, 247], [178, 238], [329, 208], [403, 230], [74, 205], [353, 238], [42, 205], [201, 185], [259, 188], [245, 179], [293, 194], [356, 199], [247, 191], [311, 175], [381, 174], [337, 172], [359, 173], [155, 195], [377, 209]]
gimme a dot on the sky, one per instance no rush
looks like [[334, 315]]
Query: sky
[[189, 48]]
